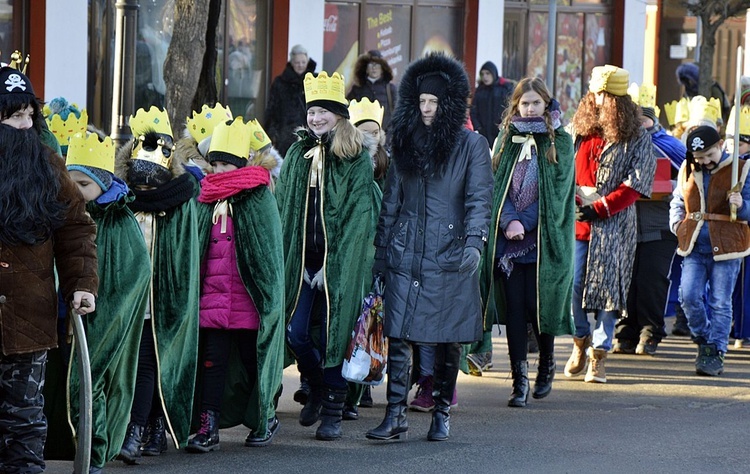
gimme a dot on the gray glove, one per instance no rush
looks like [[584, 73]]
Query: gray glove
[[318, 281], [306, 276], [470, 261]]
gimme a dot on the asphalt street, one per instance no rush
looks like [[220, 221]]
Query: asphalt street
[[653, 415]]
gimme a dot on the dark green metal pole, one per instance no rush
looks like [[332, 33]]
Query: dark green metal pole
[[123, 93]]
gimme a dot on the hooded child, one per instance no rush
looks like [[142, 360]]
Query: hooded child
[[113, 331], [242, 291], [165, 209]]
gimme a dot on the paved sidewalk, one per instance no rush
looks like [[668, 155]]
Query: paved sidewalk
[[653, 415]]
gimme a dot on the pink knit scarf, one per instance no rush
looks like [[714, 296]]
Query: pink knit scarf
[[224, 185]]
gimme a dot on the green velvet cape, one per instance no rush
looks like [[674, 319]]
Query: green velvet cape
[[174, 312], [349, 210], [113, 331], [260, 261], [555, 233]]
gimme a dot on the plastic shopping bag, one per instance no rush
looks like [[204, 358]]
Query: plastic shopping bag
[[366, 357]]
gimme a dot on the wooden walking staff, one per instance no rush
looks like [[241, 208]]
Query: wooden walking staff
[[736, 138]]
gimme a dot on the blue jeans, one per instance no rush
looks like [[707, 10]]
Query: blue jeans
[[309, 352], [697, 270], [604, 330]]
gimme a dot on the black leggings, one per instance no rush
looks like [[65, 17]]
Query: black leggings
[[214, 361], [146, 400], [521, 300]]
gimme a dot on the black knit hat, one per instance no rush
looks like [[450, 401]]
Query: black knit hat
[[331, 106], [235, 160], [432, 83], [650, 113], [13, 81]]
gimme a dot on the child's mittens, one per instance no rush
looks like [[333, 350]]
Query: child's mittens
[[514, 230]]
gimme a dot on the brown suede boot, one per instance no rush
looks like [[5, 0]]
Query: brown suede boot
[[577, 362], [596, 372]]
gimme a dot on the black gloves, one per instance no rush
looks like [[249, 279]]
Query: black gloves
[[586, 214], [470, 261], [378, 267]]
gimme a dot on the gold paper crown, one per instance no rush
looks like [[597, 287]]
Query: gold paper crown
[[677, 111], [325, 88], [65, 129], [155, 119], [87, 150], [366, 110], [645, 96], [201, 125], [744, 122], [610, 79], [702, 109], [258, 137], [16, 59], [233, 139]]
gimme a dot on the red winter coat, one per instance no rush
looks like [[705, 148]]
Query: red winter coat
[[225, 302]]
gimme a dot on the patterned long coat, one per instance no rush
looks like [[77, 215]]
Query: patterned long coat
[[609, 267]]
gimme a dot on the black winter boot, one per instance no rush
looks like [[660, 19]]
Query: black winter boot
[[330, 415], [447, 358], [544, 376], [310, 413], [131, 447], [207, 437], [300, 396], [394, 425], [520, 372], [155, 437]]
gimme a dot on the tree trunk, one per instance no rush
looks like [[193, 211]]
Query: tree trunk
[[182, 68], [207, 92], [708, 47]]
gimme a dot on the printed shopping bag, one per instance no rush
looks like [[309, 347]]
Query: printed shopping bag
[[366, 357]]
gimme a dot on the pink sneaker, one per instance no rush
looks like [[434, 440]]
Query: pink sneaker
[[423, 401]]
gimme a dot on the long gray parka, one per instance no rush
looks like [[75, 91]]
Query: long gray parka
[[437, 199]]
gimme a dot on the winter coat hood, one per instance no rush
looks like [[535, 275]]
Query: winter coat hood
[[360, 68], [430, 156], [490, 66]]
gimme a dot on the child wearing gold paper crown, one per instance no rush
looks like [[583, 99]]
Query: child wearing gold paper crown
[[710, 242], [44, 228], [114, 330], [167, 357], [242, 291], [326, 201]]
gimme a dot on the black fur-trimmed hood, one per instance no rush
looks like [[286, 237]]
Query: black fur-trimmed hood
[[433, 156], [360, 68]]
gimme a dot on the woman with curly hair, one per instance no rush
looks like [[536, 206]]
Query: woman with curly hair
[[533, 220], [615, 165]]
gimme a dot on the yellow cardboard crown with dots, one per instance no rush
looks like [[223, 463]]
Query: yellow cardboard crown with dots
[[201, 124], [65, 129], [644, 95], [702, 109], [233, 139], [155, 119], [258, 137], [325, 87], [360, 111], [744, 122], [87, 150], [677, 111]]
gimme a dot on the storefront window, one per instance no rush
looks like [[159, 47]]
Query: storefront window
[[391, 35], [155, 22], [439, 29], [6, 30], [341, 40], [243, 72], [568, 61], [537, 63]]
